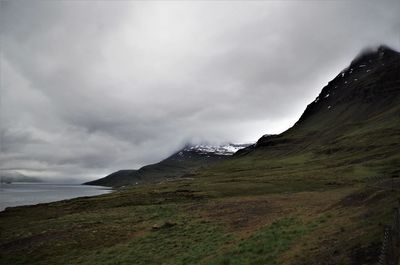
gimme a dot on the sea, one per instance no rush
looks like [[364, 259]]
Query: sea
[[18, 193]]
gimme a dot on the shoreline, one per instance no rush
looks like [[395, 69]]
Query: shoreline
[[19, 194]]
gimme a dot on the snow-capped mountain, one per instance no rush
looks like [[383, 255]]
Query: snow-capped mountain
[[178, 165], [227, 149]]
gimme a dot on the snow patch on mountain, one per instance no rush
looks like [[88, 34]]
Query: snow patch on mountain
[[227, 149]]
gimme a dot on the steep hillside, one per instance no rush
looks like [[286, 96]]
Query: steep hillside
[[353, 124], [179, 165]]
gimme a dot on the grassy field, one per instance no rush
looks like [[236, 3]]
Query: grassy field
[[231, 220]]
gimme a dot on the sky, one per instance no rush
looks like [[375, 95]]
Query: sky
[[91, 87]]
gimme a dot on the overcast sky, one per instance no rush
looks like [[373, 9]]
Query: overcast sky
[[90, 87]]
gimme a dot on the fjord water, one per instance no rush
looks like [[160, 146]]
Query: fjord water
[[17, 194]]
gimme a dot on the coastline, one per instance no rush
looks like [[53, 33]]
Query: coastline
[[19, 194]]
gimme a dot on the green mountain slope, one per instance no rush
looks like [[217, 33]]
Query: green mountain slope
[[351, 130]]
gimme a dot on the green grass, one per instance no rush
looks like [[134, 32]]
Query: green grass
[[185, 243], [95, 237], [264, 246]]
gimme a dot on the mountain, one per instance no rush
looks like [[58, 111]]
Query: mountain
[[352, 126], [14, 176], [356, 114], [350, 134], [339, 161], [179, 165]]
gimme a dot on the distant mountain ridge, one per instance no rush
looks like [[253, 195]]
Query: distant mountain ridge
[[14, 176], [180, 164]]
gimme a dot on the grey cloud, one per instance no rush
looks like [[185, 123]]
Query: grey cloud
[[92, 87]]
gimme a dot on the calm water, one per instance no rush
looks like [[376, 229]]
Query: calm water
[[16, 194]]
